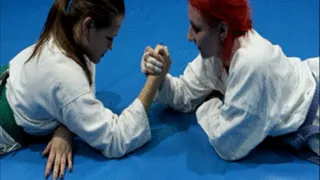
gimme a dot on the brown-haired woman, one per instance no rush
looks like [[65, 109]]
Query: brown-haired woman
[[49, 87]]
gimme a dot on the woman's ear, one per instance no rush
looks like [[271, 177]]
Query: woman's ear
[[86, 26], [223, 30], [90, 24]]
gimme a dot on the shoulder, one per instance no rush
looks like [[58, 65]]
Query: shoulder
[[196, 63], [68, 78], [196, 69], [256, 55], [205, 66], [71, 81]]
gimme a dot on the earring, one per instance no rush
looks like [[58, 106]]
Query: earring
[[89, 25], [223, 36], [223, 31]]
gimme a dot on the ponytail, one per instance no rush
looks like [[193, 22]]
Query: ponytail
[[59, 26]]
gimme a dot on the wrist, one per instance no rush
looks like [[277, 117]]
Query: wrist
[[153, 80], [63, 131]]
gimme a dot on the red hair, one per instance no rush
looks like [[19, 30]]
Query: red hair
[[236, 13]]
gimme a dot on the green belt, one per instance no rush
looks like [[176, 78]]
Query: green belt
[[7, 121]]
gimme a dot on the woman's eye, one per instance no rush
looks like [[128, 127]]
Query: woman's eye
[[109, 38], [196, 29]]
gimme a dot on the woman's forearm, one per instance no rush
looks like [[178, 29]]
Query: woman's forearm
[[149, 90]]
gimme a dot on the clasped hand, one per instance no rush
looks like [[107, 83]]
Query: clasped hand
[[156, 61]]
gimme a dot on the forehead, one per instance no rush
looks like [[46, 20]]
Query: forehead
[[114, 28], [194, 15], [118, 21]]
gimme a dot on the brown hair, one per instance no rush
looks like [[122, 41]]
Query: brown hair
[[65, 14]]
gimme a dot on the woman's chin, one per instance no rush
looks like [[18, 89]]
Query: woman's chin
[[96, 60], [204, 55]]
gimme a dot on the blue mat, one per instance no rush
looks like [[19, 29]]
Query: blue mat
[[179, 148]]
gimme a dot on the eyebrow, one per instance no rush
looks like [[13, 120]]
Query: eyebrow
[[112, 36]]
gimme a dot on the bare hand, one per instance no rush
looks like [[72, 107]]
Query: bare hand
[[60, 149]]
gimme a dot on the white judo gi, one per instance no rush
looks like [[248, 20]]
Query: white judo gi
[[265, 93], [54, 89]]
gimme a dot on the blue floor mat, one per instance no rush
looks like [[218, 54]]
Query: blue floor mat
[[179, 148]]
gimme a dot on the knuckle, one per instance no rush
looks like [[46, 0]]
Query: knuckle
[[50, 161]]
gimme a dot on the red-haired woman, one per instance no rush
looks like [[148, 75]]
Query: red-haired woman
[[49, 87], [263, 92]]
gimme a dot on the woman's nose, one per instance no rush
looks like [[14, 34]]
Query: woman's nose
[[190, 34], [110, 46]]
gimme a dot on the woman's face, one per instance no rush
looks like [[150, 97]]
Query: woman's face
[[207, 38], [97, 42]]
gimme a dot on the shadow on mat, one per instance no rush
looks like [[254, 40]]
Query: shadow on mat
[[265, 153], [110, 100], [270, 151], [165, 122]]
